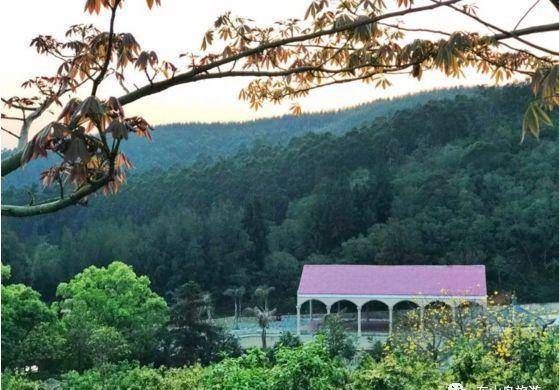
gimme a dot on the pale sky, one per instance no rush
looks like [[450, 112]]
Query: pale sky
[[178, 26]]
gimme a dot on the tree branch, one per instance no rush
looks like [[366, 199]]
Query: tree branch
[[186, 77], [504, 34], [526, 31], [555, 4], [10, 133], [18, 106], [24, 132], [52, 206], [213, 70], [11, 163], [526, 14], [190, 76], [108, 54]]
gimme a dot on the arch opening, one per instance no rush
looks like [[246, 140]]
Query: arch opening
[[375, 317], [406, 315], [437, 313], [312, 314], [347, 312], [468, 311]]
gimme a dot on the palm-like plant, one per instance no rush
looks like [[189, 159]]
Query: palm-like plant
[[263, 317], [207, 305], [262, 294], [237, 294]]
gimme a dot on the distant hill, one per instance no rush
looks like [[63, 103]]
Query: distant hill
[[181, 144], [444, 181]]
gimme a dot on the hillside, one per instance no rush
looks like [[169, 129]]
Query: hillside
[[444, 182], [181, 144]]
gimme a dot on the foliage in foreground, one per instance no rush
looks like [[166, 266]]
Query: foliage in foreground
[[517, 356], [106, 315]]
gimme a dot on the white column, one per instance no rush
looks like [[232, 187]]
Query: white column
[[421, 315], [328, 307], [298, 320], [453, 313], [358, 321], [310, 309], [389, 319]]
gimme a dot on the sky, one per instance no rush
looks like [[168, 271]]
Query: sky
[[178, 26]]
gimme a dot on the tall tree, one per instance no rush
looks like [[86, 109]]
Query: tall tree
[[27, 328], [237, 294], [111, 303], [336, 42], [191, 338], [255, 225], [263, 318]]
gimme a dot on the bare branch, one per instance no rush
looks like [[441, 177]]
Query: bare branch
[[504, 34], [526, 14], [555, 4], [12, 118], [9, 132]]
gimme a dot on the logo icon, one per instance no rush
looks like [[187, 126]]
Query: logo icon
[[455, 386]]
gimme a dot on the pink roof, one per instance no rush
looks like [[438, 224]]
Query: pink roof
[[438, 280]]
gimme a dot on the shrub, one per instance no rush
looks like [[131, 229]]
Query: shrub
[[517, 356], [18, 381], [338, 343], [399, 371], [309, 367]]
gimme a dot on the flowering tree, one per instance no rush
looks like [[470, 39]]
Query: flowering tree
[[337, 41]]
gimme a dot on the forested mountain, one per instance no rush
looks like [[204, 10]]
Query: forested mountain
[[444, 182], [182, 144]]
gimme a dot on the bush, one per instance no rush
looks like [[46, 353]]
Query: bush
[[309, 367], [377, 351], [128, 376], [249, 371], [517, 356], [16, 381], [338, 343], [288, 340], [399, 372]]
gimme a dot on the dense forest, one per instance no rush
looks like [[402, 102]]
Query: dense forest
[[439, 182], [182, 144]]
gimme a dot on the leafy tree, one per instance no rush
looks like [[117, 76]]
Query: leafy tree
[[190, 338], [6, 273], [106, 344], [111, 311], [334, 43], [287, 340], [338, 343], [255, 226], [28, 324], [282, 270]]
